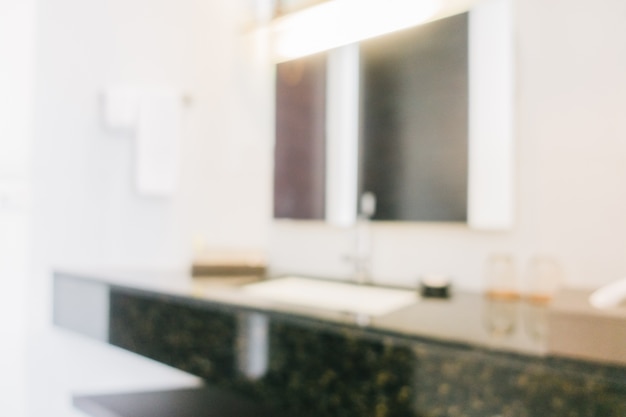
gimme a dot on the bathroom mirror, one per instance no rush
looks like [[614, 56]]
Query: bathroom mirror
[[422, 118]]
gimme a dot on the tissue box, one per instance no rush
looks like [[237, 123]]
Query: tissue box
[[220, 262]]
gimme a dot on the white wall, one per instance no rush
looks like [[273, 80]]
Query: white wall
[[16, 80], [571, 167], [84, 182], [87, 212], [570, 148]]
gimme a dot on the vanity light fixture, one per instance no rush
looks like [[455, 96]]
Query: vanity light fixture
[[341, 22], [335, 23]]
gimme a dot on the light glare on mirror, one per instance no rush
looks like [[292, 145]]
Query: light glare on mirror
[[342, 22]]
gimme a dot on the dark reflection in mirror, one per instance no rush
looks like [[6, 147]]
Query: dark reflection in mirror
[[299, 155], [414, 122]]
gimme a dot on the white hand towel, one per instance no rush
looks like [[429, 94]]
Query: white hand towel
[[157, 150]]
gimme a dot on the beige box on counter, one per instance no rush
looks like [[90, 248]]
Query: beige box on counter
[[579, 330], [228, 262]]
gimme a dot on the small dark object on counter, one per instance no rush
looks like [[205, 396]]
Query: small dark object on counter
[[435, 287]]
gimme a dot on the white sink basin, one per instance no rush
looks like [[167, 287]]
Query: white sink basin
[[335, 296]]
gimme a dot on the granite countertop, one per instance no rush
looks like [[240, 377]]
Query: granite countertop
[[464, 318], [467, 356]]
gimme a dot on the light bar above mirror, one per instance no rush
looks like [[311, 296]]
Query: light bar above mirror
[[336, 23]]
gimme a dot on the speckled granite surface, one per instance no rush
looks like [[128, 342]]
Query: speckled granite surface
[[314, 367], [197, 341]]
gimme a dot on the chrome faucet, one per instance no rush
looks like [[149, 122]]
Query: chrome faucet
[[361, 258]]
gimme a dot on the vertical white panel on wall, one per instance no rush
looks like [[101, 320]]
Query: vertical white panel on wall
[[17, 40], [16, 79], [491, 116], [342, 135]]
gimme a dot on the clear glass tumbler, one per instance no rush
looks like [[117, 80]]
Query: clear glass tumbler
[[501, 277], [544, 277]]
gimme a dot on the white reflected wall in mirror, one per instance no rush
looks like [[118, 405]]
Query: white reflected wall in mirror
[[342, 135]]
